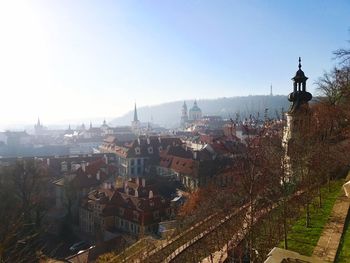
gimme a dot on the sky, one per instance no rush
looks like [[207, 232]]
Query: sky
[[64, 60]]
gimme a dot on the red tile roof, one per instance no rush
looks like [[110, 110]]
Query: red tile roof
[[185, 166], [95, 173]]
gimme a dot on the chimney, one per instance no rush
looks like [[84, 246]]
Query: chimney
[[195, 155], [105, 159], [136, 193], [48, 161], [98, 176], [150, 194], [83, 166], [137, 180], [159, 139], [143, 182]]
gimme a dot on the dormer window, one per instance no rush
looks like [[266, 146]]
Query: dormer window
[[160, 148], [137, 150], [150, 150]]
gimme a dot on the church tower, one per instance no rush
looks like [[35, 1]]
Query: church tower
[[298, 116], [184, 116], [135, 124], [299, 112]]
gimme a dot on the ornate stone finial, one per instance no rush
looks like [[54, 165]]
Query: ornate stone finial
[[299, 66]]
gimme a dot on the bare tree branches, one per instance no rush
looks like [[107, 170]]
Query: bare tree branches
[[22, 206]]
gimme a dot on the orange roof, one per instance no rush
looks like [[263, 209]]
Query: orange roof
[[185, 166]]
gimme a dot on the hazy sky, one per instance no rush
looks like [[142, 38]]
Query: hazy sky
[[70, 59]]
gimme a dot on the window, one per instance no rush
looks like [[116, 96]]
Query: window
[[132, 162], [150, 150], [138, 161], [64, 167], [138, 170], [136, 215], [137, 150], [121, 212], [160, 148], [132, 170]]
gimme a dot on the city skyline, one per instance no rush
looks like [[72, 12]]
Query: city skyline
[[70, 60]]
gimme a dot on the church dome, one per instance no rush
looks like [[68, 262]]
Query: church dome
[[195, 113], [195, 107]]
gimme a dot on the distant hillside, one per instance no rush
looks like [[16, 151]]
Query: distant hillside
[[168, 114]]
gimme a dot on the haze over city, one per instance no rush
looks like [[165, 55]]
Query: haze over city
[[64, 60], [174, 131]]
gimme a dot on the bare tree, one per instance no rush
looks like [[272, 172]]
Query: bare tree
[[23, 205]]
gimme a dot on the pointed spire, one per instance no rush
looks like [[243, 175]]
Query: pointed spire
[[299, 66], [135, 113], [38, 124]]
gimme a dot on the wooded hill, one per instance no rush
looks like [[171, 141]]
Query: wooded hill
[[168, 114]]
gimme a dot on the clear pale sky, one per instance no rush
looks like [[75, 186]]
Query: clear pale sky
[[70, 59]]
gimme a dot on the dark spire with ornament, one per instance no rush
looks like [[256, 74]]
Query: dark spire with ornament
[[299, 96]]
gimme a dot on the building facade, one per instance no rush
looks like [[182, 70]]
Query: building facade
[[133, 158], [135, 208]]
